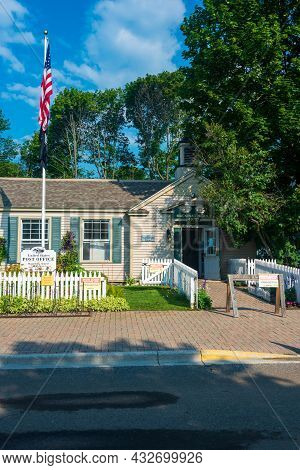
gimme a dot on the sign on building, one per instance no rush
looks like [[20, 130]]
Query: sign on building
[[147, 238], [38, 259]]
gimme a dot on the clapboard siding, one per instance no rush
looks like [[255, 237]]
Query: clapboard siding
[[3, 224]]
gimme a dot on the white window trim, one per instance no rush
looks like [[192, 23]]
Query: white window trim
[[94, 217], [20, 232]]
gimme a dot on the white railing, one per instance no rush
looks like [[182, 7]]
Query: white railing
[[186, 281], [291, 275], [171, 273], [66, 286]]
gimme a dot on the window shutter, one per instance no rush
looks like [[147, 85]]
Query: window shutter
[[116, 240], [12, 243], [177, 244], [56, 233], [75, 229]]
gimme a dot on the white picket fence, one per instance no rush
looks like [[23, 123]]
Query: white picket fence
[[66, 286], [172, 273], [291, 275]]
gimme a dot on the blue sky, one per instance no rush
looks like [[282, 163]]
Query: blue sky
[[95, 44]]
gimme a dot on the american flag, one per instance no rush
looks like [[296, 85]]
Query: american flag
[[46, 92]]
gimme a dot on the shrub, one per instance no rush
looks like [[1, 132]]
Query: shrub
[[21, 305], [130, 281], [114, 291], [290, 295], [68, 259], [204, 300], [107, 304], [13, 268]]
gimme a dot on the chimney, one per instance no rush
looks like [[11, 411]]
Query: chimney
[[186, 158]]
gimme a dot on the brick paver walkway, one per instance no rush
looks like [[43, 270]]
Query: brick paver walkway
[[257, 329]]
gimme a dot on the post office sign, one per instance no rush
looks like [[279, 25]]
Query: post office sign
[[38, 259]]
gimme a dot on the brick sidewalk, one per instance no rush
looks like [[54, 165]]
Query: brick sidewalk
[[257, 329]]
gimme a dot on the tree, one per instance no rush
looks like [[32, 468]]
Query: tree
[[153, 108], [30, 155], [242, 90], [104, 140], [70, 108], [8, 148]]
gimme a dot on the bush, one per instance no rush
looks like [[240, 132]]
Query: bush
[[115, 291], [204, 300], [290, 295], [107, 304], [130, 281], [68, 259], [13, 268], [21, 305]]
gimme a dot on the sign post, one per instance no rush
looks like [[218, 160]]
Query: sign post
[[264, 280]]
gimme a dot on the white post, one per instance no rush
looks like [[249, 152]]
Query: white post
[[43, 168]]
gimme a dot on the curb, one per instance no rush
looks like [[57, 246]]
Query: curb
[[223, 356], [205, 357]]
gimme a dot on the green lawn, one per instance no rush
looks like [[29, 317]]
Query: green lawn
[[154, 298]]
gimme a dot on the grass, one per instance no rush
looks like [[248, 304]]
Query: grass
[[154, 298]]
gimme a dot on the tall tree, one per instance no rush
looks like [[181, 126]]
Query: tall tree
[[103, 134], [8, 148], [68, 112], [153, 108], [30, 154], [242, 91]]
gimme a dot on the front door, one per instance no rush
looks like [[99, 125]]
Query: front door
[[191, 244], [187, 247], [211, 254]]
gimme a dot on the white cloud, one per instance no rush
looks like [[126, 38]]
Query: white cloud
[[20, 92], [15, 64], [63, 79], [12, 31], [129, 38]]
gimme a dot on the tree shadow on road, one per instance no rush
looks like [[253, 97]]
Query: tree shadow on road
[[188, 407]]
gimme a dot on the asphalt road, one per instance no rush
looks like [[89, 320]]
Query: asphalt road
[[220, 407]]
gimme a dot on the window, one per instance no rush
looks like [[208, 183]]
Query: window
[[96, 240], [211, 242], [32, 233]]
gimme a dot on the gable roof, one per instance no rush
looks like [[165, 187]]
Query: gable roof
[[26, 193], [143, 203]]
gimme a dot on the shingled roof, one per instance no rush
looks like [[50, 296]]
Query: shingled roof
[[25, 193]]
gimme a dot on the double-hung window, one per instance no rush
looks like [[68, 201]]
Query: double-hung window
[[32, 233], [96, 240]]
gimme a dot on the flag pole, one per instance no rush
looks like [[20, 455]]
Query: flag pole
[[43, 165]]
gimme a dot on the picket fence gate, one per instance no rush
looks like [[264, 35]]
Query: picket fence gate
[[66, 286], [172, 273]]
